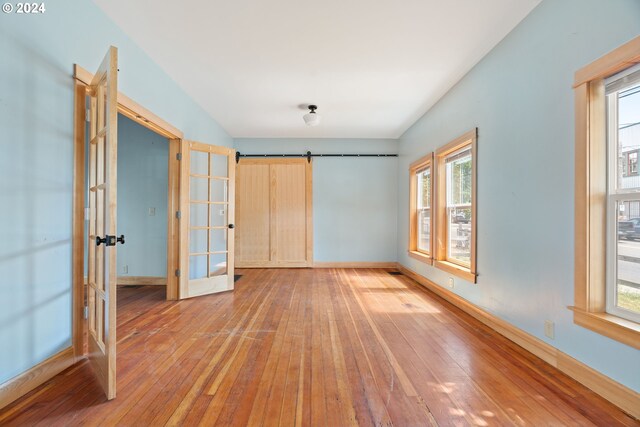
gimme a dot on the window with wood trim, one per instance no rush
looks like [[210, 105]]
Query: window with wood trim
[[607, 106], [622, 92], [456, 206], [421, 202]]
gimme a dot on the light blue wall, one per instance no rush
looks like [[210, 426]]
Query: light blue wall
[[354, 199], [520, 98], [36, 167], [143, 175]]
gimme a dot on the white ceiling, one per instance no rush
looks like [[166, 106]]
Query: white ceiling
[[373, 67]]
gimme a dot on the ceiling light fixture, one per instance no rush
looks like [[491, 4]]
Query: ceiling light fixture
[[312, 118]]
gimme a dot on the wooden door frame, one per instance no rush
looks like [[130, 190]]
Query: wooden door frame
[[144, 117]]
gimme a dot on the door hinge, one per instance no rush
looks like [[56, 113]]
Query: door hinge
[[178, 214], [178, 156], [87, 118], [86, 311], [178, 273]]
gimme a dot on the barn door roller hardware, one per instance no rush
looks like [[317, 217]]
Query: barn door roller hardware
[[308, 155]]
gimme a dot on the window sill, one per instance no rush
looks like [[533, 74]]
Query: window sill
[[456, 270], [421, 257], [614, 327]]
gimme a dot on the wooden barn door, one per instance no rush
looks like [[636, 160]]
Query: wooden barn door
[[273, 203], [101, 298], [207, 213]]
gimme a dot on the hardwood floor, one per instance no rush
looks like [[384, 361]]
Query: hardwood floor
[[319, 347]]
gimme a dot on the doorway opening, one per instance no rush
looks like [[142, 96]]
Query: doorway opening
[[143, 177]]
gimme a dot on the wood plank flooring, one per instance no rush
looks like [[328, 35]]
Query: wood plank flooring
[[324, 347]]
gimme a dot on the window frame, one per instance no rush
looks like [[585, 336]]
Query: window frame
[[441, 259], [413, 251], [591, 201]]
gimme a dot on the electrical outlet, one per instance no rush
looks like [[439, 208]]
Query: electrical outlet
[[125, 269], [451, 283], [152, 211], [549, 329]]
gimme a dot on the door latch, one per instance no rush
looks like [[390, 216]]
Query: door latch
[[109, 240]]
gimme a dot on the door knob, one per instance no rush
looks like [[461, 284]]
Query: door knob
[[231, 226], [109, 240]]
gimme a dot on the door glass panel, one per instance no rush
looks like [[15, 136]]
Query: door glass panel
[[197, 241], [92, 313], [218, 215], [198, 214], [219, 165], [104, 320], [197, 267], [218, 239], [219, 190], [199, 188], [199, 162], [218, 265]]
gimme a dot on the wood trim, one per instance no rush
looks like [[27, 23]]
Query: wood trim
[[590, 231], [231, 218], [354, 264], [456, 270], [173, 223], [423, 162], [457, 143], [142, 280], [183, 238], [581, 213], [78, 324], [607, 65], [625, 398], [25, 382], [597, 243], [420, 257], [469, 138], [215, 149], [133, 110], [273, 264], [614, 327]]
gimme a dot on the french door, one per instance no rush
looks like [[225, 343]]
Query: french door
[[207, 182], [101, 290]]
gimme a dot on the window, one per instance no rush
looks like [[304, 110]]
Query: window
[[622, 93], [458, 187], [455, 206], [421, 224], [607, 197], [630, 161]]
